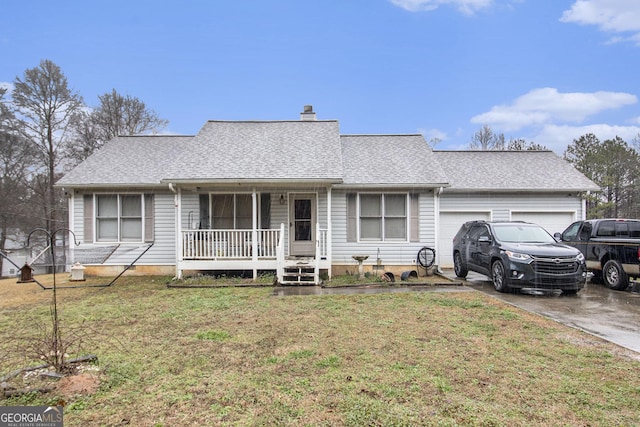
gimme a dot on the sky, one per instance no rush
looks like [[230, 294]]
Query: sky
[[546, 71]]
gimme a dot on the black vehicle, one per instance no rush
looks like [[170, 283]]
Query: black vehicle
[[517, 255], [611, 247]]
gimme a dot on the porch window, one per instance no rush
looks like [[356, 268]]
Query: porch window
[[383, 217], [231, 211]]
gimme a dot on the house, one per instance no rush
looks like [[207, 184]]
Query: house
[[297, 198], [14, 257], [16, 254]]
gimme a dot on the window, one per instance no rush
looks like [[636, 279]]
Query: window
[[383, 216], [231, 211], [478, 231], [607, 229], [119, 217], [571, 233]]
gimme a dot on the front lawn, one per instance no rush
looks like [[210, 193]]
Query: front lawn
[[240, 356]]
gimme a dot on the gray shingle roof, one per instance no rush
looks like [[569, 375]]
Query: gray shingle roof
[[511, 170], [307, 151], [390, 160], [282, 150], [128, 161]]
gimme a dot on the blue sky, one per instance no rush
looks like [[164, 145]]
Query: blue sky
[[546, 71]]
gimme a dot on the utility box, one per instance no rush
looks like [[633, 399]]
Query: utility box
[[77, 272]]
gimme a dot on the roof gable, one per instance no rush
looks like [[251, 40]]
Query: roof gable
[[283, 150]]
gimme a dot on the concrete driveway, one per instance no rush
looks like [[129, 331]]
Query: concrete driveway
[[611, 315]]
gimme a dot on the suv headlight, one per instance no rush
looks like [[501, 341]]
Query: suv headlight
[[580, 257], [517, 256]]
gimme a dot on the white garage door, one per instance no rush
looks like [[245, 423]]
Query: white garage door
[[450, 223], [553, 222]]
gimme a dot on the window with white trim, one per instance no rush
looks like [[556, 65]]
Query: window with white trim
[[119, 217], [383, 216]]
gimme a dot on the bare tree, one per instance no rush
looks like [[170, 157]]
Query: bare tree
[[46, 106], [482, 138], [486, 139], [117, 115], [14, 161], [521, 144]]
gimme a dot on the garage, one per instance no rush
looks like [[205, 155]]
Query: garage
[[553, 222], [450, 223]]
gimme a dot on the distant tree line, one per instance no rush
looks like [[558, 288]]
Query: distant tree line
[[612, 164], [45, 129], [486, 139]]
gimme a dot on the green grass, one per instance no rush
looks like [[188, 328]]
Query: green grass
[[240, 356]]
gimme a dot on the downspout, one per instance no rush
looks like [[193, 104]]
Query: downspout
[[72, 224], [436, 233], [178, 235]]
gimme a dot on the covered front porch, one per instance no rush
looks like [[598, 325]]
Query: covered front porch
[[296, 250]]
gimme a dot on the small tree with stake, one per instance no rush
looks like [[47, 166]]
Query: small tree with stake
[[54, 348]]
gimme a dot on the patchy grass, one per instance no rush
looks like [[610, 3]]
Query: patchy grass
[[240, 356]]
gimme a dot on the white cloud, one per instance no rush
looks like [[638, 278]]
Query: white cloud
[[7, 85], [468, 7], [547, 106], [430, 134], [615, 16], [434, 137], [558, 137]]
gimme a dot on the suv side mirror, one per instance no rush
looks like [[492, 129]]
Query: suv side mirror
[[558, 236], [484, 239]]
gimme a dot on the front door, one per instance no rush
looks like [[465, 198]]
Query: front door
[[302, 214]]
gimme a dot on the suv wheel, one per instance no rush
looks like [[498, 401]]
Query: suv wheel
[[499, 277], [614, 276], [458, 267]]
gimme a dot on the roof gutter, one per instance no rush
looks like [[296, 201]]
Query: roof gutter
[[518, 190], [249, 182], [394, 185]]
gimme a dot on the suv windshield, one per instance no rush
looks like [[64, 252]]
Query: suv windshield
[[522, 233]]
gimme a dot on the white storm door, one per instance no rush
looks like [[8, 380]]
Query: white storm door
[[302, 220]]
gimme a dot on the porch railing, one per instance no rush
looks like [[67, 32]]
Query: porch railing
[[229, 244]]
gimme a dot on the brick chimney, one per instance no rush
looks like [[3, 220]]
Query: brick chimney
[[308, 113]]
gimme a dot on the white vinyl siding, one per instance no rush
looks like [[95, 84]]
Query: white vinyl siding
[[160, 230], [391, 252]]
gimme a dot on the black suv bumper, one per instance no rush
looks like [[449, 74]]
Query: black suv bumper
[[546, 274]]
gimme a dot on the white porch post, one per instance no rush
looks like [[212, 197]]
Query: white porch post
[[177, 202], [329, 233], [254, 234]]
